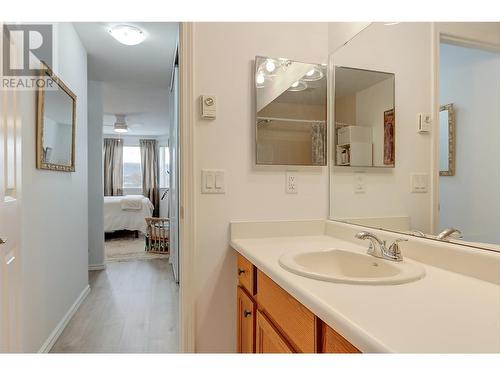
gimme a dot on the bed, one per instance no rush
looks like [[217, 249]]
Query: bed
[[126, 213]]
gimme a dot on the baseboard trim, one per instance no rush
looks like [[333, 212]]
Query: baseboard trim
[[97, 267], [51, 340]]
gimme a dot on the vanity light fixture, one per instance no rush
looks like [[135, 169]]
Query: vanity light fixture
[[126, 34], [270, 66], [313, 74], [298, 86], [260, 79], [120, 125]]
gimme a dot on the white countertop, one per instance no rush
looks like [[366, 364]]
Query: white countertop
[[445, 312]]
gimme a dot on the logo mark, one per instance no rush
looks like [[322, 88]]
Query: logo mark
[[24, 47]]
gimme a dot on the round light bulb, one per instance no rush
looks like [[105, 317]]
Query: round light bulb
[[310, 73], [260, 79], [295, 84], [270, 66]]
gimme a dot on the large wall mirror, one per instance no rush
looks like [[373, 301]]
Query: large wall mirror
[[444, 175], [56, 124], [291, 110]]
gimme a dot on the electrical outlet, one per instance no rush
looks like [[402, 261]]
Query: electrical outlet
[[291, 183], [359, 183]]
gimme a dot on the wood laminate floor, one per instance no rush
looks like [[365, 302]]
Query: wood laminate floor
[[132, 308]]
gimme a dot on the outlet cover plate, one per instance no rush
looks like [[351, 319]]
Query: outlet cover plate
[[291, 182]]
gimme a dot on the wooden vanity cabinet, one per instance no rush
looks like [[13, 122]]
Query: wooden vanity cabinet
[[270, 320]]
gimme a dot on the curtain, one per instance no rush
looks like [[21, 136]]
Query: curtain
[[318, 143], [113, 166], [150, 172]]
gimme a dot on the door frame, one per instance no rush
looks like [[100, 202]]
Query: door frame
[[187, 233]]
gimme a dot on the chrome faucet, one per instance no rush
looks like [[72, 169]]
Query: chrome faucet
[[446, 234], [378, 247]]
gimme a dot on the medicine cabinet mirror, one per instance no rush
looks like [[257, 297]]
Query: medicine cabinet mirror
[[364, 118], [291, 112]]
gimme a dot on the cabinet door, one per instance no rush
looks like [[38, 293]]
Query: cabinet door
[[246, 323], [268, 340], [333, 342]]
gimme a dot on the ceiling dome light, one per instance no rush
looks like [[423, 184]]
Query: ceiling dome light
[[128, 35], [270, 66], [120, 125]]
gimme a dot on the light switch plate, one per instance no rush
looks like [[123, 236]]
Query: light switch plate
[[419, 182], [213, 181]]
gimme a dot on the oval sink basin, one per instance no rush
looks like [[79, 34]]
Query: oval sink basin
[[348, 267]]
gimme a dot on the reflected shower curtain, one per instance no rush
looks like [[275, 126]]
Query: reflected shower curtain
[[318, 141], [113, 166], [150, 172]]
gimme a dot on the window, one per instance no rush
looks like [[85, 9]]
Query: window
[[132, 175], [164, 167]]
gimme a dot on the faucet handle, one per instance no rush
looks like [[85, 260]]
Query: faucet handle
[[394, 249]]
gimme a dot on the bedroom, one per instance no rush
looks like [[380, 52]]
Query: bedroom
[[134, 107]]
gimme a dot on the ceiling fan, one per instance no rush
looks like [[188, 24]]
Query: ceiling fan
[[120, 124]]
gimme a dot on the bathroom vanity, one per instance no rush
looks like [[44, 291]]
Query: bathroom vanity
[[319, 286], [454, 306], [270, 320]]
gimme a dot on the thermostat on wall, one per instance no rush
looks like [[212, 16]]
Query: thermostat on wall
[[424, 122], [208, 106]]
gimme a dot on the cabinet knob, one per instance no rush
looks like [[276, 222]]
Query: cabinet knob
[[240, 271], [246, 313]]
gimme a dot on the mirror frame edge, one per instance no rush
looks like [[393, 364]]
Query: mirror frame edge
[[451, 139], [40, 105]]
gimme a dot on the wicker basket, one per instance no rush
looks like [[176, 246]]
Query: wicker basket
[[157, 235]]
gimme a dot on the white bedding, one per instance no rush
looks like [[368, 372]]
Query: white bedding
[[115, 218]]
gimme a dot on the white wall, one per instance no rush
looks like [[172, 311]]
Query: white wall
[[224, 56], [405, 50], [470, 200], [54, 209], [95, 180], [340, 32]]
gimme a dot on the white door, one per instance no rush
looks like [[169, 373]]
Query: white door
[[174, 175], [9, 222]]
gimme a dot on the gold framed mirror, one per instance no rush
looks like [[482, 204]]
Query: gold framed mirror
[[56, 124], [447, 140]]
